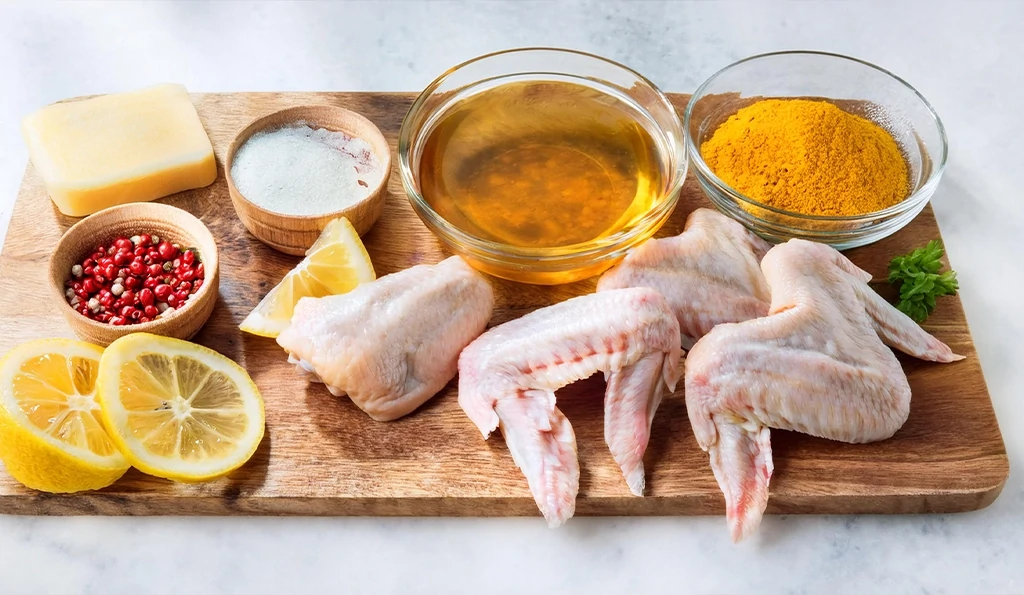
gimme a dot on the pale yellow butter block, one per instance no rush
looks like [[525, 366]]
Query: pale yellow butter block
[[125, 147]]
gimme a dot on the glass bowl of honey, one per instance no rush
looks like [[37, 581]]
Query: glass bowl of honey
[[542, 165]]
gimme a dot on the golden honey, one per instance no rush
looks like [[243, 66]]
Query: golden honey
[[542, 164]]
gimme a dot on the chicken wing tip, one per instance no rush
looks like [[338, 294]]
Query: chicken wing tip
[[636, 482]]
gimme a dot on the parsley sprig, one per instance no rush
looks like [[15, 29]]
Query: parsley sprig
[[919, 280]]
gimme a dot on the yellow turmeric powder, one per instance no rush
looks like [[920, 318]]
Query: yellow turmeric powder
[[808, 157]]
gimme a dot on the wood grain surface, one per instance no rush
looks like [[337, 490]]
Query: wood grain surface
[[322, 456]]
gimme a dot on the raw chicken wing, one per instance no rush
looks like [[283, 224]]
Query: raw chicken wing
[[816, 364], [393, 343], [508, 378], [709, 274]]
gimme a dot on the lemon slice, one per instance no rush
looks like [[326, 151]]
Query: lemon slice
[[335, 264], [51, 436], [178, 410]]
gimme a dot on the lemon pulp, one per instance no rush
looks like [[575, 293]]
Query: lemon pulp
[[179, 410], [336, 263], [52, 436]]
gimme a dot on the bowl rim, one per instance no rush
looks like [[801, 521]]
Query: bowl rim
[[702, 167], [500, 251], [57, 290], [259, 124]]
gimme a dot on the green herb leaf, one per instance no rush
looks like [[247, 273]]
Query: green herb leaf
[[919, 281]]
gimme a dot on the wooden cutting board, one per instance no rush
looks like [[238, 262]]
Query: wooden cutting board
[[322, 456]]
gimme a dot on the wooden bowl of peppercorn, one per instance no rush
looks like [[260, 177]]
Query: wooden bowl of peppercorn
[[138, 267]]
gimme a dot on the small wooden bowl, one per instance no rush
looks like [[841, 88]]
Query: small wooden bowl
[[165, 221], [294, 234]]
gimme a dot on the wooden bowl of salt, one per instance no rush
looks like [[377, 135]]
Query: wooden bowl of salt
[[293, 171]]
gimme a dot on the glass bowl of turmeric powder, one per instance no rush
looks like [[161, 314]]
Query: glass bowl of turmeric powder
[[814, 145]]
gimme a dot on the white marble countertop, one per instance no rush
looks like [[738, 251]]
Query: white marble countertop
[[963, 57]]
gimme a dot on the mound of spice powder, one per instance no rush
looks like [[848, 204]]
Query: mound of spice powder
[[808, 157]]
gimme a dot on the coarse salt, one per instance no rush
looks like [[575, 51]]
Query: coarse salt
[[301, 170]]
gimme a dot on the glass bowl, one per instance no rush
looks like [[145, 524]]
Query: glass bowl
[[544, 265], [854, 85]]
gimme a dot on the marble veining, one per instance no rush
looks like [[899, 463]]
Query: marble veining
[[962, 57]]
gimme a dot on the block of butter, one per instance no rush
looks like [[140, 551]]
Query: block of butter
[[125, 147]]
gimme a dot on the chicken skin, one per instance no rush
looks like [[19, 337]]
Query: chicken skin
[[817, 364], [393, 343], [509, 375], [709, 274]]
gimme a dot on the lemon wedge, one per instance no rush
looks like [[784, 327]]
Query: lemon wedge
[[51, 436], [336, 263], [178, 410]]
